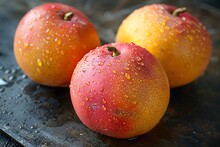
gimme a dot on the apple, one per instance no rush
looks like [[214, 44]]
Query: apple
[[49, 41], [119, 90], [176, 38]]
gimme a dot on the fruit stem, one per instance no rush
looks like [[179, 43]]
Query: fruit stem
[[114, 51], [178, 11], [68, 16]]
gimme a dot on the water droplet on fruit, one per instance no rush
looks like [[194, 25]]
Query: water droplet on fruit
[[20, 50], [127, 76], [62, 52], [134, 102], [126, 68], [102, 89], [100, 63], [74, 25], [53, 24], [38, 70], [48, 38], [103, 107], [39, 63], [59, 41], [114, 71], [41, 27], [31, 27], [93, 73], [55, 39], [39, 16], [26, 45], [142, 63], [135, 90], [138, 58], [47, 51], [104, 101], [83, 70], [48, 30], [51, 59], [126, 96], [136, 73], [88, 83], [109, 64], [190, 37]]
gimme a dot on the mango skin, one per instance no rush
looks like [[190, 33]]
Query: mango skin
[[47, 47], [122, 96], [181, 43]]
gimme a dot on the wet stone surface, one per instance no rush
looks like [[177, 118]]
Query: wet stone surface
[[36, 115]]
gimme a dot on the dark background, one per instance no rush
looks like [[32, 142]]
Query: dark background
[[35, 115]]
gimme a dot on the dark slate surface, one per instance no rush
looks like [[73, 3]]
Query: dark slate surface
[[36, 115]]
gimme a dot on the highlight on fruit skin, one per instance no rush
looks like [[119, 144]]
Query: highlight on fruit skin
[[120, 90], [49, 41], [177, 39]]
